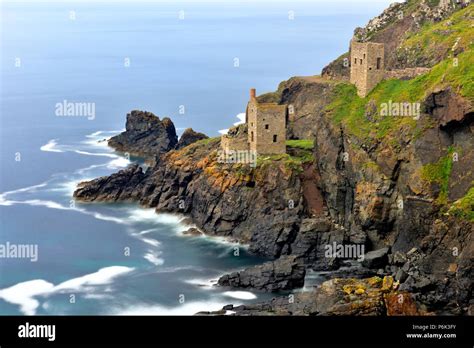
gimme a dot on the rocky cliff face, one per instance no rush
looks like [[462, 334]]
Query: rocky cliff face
[[188, 137], [396, 185]]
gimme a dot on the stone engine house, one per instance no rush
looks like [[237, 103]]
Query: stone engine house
[[264, 131], [266, 124], [367, 65]]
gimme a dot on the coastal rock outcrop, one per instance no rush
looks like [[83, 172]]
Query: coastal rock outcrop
[[283, 274], [145, 135], [188, 137], [369, 296]]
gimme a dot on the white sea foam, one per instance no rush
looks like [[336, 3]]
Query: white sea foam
[[202, 283], [99, 154], [187, 308], [51, 146], [119, 162], [102, 133], [152, 242], [153, 258], [23, 294], [149, 215], [240, 295], [102, 276]]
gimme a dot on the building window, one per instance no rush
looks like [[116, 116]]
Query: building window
[[251, 124], [251, 137], [364, 55], [266, 126], [379, 63], [360, 61], [274, 138], [355, 60]]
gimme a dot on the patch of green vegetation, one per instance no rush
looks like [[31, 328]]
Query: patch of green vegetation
[[436, 41], [207, 141], [371, 165], [439, 173], [349, 109], [294, 163], [464, 207], [303, 144]]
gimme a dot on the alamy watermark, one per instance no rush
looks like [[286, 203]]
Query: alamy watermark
[[75, 109], [19, 251], [403, 109], [344, 251], [237, 156]]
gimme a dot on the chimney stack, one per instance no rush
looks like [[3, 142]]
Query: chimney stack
[[253, 93]]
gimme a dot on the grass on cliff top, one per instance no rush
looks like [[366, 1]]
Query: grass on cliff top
[[439, 39], [464, 207], [303, 144], [349, 109]]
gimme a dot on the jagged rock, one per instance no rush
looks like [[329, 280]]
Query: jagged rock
[[145, 135], [371, 296], [192, 232], [118, 186], [283, 274], [375, 259], [448, 108], [188, 137]]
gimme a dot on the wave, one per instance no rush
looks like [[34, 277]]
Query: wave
[[51, 146], [100, 154], [99, 133], [187, 308], [153, 258], [240, 295], [23, 294]]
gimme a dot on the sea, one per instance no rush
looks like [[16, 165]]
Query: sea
[[192, 61]]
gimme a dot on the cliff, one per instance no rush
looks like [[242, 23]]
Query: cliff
[[401, 186]]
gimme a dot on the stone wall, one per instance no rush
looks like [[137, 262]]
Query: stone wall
[[267, 128], [367, 65], [235, 139], [405, 74]]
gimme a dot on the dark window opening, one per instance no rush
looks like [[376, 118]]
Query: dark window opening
[[251, 137], [266, 126], [355, 60], [274, 138], [360, 61], [379, 63], [364, 55]]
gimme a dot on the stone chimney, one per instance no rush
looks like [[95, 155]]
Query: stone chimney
[[253, 93]]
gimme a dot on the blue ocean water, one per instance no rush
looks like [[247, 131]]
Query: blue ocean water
[[164, 57]]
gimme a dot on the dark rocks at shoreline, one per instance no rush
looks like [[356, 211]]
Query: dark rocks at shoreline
[[189, 137], [192, 232], [116, 187], [145, 135], [364, 297], [286, 273], [376, 258]]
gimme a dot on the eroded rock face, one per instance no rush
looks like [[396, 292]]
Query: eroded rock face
[[188, 137], [253, 208], [448, 108], [145, 135], [283, 274]]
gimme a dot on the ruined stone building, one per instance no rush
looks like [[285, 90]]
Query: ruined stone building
[[264, 131], [367, 65]]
